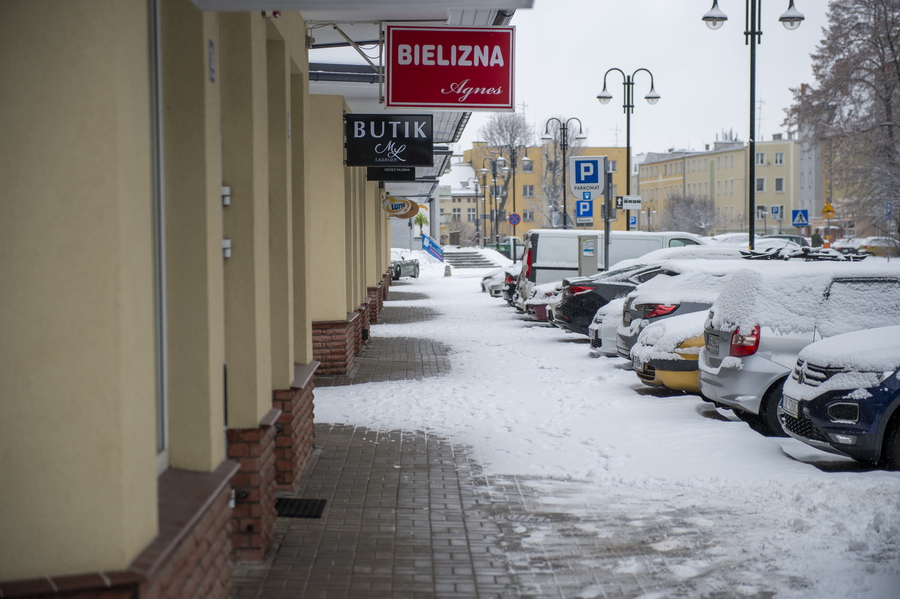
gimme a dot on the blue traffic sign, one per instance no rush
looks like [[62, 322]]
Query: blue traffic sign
[[632, 221], [584, 209], [799, 218], [515, 219]]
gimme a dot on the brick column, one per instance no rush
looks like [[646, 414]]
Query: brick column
[[253, 523], [295, 435], [334, 344]]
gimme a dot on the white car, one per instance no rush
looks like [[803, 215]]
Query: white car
[[602, 330]]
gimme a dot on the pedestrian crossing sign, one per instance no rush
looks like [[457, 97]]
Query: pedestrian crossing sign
[[799, 218]]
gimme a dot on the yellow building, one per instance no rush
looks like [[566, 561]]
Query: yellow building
[[721, 174], [182, 252], [535, 195]]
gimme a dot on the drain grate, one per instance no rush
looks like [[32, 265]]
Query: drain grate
[[299, 508]]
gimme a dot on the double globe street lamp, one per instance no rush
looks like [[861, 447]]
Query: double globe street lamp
[[498, 166], [513, 152], [628, 106], [563, 144], [791, 19]]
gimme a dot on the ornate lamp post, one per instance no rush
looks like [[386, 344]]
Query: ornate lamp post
[[498, 166], [514, 162], [628, 106], [563, 144], [791, 19]]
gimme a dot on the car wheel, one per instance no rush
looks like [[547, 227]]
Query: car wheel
[[769, 424], [890, 448], [416, 272]]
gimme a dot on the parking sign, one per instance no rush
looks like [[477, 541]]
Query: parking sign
[[588, 176]]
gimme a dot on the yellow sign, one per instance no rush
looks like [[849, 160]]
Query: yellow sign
[[828, 211]]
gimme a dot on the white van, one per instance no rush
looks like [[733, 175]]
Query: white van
[[553, 254]]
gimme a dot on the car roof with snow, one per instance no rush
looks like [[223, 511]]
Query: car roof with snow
[[689, 281], [788, 297]]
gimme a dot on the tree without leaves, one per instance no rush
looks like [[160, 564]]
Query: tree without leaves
[[690, 214], [853, 109], [502, 132]]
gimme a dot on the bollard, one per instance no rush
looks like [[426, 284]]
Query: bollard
[[447, 272]]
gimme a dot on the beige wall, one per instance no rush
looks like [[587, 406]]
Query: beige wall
[[77, 327], [194, 267], [246, 222], [327, 208]]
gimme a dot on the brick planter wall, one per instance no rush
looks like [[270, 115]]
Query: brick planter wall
[[334, 344], [253, 523], [295, 435], [376, 305]]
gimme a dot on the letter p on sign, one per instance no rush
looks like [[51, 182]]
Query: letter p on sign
[[587, 171]]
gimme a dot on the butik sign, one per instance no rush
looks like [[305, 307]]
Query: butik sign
[[389, 139], [461, 68]]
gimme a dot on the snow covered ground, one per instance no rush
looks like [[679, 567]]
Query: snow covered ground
[[726, 512]]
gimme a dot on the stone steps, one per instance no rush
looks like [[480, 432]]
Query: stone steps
[[468, 260]]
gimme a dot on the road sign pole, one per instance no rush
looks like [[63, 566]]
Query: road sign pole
[[607, 202]]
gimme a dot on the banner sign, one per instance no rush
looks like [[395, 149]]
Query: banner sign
[[389, 139], [391, 173], [401, 207], [430, 246], [460, 68]]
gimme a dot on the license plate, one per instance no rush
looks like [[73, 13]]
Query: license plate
[[592, 334], [712, 343], [626, 318], [637, 365], [790, 406]]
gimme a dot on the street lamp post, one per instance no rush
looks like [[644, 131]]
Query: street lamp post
[[563, 144], [478, 222], [514, 162], [477, 215], [628, 106], [498, 165], [714, 19]]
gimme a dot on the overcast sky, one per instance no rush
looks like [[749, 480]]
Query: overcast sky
[[563, 48]]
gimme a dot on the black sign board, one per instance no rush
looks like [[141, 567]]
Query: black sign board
[[389, 139], [391, 173]]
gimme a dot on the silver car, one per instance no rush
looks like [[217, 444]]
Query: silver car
[[764, 318]]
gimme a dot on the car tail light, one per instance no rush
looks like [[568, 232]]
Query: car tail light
[[510, 279], [744, 344], [578, 289], [529, 258], [654, 310]]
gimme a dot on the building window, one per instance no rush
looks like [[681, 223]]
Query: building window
[[802, 181], [612, 165], [779, 158], [527, 166], [779, 184], [761, 184], [471, 215], [760, 158], [528, 191], [528, 215], [456, 214]]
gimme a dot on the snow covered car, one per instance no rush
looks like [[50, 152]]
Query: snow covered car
[[602, 331], [403, 264], [843, 396], [691, 286], [541, 297], [763, 319], [879, 246], [582, 297], [666, 352], [498, 281]]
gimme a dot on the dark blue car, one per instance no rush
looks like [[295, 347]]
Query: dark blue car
[[843, 396]]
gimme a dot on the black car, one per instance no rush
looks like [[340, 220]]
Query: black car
[[582, 297]]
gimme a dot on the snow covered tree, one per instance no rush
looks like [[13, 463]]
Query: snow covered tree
[[690, 214], [852, 109]]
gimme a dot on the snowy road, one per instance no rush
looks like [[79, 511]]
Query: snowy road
[[630, 492]]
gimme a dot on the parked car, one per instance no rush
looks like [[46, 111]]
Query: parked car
[[666, 352], [553, 254], [541, 297], [879, 246], [403, 264], [492, 282], [763, 319], [847, 245], [602, 331], [580, 298], [691, 286], [843, 396]]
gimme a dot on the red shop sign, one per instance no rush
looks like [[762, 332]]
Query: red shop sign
[[450, 67]]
